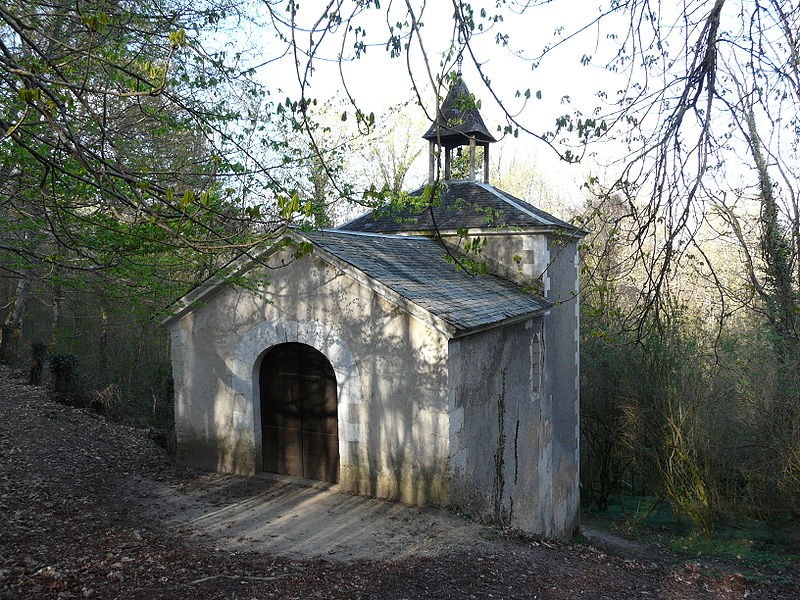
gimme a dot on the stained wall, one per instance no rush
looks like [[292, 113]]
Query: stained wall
[[390, 368], [550, 423]]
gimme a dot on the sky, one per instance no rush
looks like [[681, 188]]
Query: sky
[[568, 78], [379, 83]]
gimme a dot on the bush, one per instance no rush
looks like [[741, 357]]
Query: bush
[[713, 429]]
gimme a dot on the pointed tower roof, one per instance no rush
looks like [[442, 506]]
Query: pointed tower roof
[[458, 120]]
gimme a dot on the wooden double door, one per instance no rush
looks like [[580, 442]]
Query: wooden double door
[[299, 420]]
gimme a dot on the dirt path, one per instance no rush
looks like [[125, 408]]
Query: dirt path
[[299, 519], [90, 509]]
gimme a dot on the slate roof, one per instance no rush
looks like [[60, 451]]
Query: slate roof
[[468, 204], [457, 121], [415, 268]]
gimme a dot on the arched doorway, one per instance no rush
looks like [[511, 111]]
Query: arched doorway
[[299, 420]]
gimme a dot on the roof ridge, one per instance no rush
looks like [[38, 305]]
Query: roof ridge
[[507, 199], [360, 233]]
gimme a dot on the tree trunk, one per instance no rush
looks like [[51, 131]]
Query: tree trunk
[[55, 316], [775, 248], [12, 326]]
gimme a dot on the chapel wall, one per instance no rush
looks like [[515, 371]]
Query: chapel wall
[[562, 383], [501, 436], [390, 367], [548, 262], [519, 257]]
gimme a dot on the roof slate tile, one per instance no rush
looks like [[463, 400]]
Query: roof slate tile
[[416, 269], [467, 204]]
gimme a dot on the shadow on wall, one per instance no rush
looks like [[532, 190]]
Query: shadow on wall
[[392, 416]]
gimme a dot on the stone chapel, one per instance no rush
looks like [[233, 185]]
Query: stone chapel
[[375, 362]]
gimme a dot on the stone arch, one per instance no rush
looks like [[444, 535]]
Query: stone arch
[[249, 353]]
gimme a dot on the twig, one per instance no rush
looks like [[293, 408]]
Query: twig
[[212, 577]]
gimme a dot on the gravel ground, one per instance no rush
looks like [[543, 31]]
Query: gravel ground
[[93, 509]]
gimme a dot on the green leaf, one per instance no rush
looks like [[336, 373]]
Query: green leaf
[[96, 22], [303, 248], [177, 38], [28, 95], [187, 198], [288, 207]]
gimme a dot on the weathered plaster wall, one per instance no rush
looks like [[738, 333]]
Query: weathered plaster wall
[[501, 434], [390, 369], [552, 262], [522, 258], [562, 382]]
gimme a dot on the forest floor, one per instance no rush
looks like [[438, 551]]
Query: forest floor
[[94, 509]]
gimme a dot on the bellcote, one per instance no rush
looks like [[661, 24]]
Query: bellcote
[[458, 123]]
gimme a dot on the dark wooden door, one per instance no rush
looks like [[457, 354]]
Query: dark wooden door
[[298, 413]]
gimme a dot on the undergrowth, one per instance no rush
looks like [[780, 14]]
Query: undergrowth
[[759, 549]]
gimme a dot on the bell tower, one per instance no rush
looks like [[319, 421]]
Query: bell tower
[[458, 123]]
